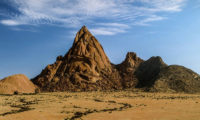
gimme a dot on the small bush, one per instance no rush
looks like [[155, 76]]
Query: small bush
[[16, 92], [37, 90]]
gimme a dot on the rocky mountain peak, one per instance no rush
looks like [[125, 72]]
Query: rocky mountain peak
[[87, 49], [84, 67], [132, 59], [83, 34], [130, 63], [127, 69]]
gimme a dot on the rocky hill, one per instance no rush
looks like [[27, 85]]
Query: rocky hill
[[85, 67], [176, 78], [148, 71], [156, 76], [16, 84]]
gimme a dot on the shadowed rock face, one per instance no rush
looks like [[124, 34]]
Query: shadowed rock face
[[148, 70], [84, 67], [156, 76]]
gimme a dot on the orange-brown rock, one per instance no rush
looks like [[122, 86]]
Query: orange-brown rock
[[84, 67], [16, 84], [127, 69]]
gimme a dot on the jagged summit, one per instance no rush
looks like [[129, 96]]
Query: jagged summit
[[130, 63], [127, 69], [86, 46], [131, 60], [83, 33]]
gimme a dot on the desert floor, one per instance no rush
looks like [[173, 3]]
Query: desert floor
[[121, 105]]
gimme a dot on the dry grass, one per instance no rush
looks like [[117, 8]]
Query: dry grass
[[122, 105]]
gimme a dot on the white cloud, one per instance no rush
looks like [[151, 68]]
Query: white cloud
[[165, 5], [10, 22], [145, 22], [116, 14], [106, 31], [114, 25]]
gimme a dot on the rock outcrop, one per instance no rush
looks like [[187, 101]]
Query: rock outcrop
[[148, 71], [156, 76], [16, 84], [176, 79], [85, 67], [127, 69]]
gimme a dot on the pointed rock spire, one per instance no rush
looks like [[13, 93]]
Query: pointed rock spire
[[86, 46], [84, 67], [127, 69], [130, 63], [83, 33]]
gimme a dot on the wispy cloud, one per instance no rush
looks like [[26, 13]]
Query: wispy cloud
[[107, 30], [108, 17], [10, 22], [146, 21]]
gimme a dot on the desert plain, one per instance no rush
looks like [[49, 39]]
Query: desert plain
[[112, 105]]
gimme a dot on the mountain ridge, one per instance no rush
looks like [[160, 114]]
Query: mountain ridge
[[86, 67]]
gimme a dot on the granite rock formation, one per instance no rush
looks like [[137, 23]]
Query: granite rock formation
[[16, 84], [85, 67], [127, 69]]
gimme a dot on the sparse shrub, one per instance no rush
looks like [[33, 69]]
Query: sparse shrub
[[16, 92], [37, 90], [22, 100]]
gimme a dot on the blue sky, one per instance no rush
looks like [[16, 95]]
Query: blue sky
[[34, 32]]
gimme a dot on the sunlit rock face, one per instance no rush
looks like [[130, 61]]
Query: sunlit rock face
[[85, 67]]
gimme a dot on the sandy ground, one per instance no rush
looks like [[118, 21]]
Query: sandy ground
[[123, 105]]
